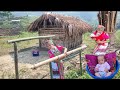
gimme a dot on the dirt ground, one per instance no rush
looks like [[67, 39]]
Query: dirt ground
[[25, 61]]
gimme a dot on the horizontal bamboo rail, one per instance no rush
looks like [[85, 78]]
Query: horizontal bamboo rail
[[59, 57], [29, 38], [16, 51]]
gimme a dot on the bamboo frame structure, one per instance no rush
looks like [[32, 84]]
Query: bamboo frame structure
[[59, 57], [30, 38], [16, 51]]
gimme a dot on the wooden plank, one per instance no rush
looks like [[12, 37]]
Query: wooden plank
[[52, 33], [100, 15], [51, 28], [57, 35], [112, 20], [115, 18], [46, 31], [99, 18], [107, 23]]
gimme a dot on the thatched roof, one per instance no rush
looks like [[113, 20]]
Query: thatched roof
[[59, 21]]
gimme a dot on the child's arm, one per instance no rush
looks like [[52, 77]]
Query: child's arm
[[107, 67], [65, 51], [96, 68]]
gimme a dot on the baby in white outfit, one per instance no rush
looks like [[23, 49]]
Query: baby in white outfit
[[102, 68]]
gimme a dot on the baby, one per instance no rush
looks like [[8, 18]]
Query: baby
[[102, 68]]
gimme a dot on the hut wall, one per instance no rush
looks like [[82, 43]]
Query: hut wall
[[62, 37], [58, 32]]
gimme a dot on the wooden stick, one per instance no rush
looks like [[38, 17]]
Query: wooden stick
[[57, 57]]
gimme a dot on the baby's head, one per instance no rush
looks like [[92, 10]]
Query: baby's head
[[101, 59], [100, 28]]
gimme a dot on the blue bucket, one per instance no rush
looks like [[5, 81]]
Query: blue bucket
[[109, 77], [35, 52]]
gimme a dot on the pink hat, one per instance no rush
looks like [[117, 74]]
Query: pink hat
[[101, 27]]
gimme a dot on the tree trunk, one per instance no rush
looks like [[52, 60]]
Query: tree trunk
[[108, 19]]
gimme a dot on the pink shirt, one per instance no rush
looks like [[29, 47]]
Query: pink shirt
[[98, 36], [102, 67], [60, 48]]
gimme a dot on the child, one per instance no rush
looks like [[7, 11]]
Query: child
[[57, 66], [102, 39], [102, 68]]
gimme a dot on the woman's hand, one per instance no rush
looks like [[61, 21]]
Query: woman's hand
[[65, 51], [65, 54]]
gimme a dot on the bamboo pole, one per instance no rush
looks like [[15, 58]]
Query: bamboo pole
[[80, 63], [16, 60], [59, 57], [39, 39], [29, 38], [51, 73]]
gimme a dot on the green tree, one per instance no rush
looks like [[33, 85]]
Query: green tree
[[6, 14]]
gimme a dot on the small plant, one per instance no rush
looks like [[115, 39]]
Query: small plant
[[72, 74], [117, 76]]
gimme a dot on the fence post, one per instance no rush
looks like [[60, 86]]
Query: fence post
[[51, 73], [80, 63], [16, 60], [39, 39]]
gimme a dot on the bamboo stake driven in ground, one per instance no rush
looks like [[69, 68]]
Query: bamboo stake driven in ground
[[16, 60], [59, 57]]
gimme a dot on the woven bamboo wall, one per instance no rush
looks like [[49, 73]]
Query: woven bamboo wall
[[61, 37]]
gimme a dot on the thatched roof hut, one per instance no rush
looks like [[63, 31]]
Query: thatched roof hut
[[67, 29]]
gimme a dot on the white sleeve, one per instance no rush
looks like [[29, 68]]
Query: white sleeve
[[107, 66], [97, 66], [92, 35]]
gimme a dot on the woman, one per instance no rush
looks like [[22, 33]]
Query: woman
[[57, 66], [102, 39]]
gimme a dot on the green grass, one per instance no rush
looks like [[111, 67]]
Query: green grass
[[117, 38], [6, 48], [89, 42]]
